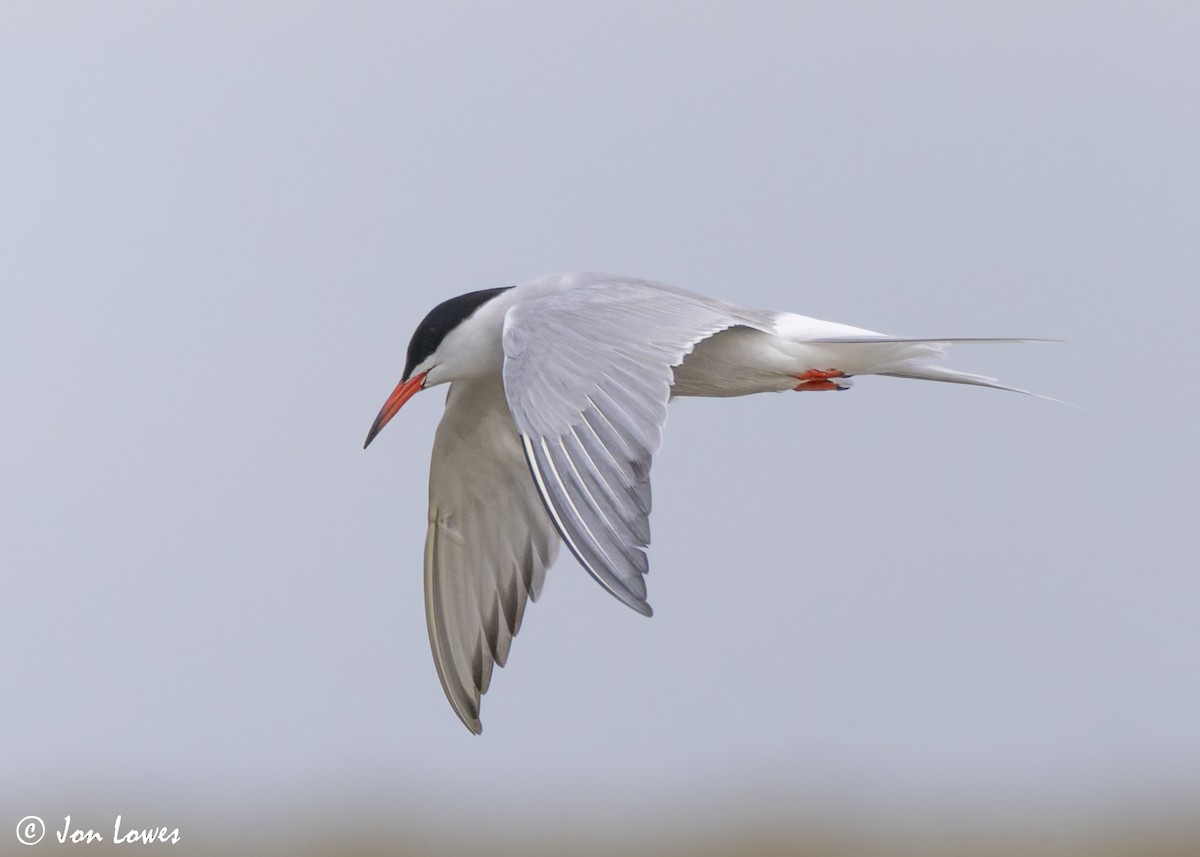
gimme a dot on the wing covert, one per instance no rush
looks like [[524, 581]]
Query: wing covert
[[588, 373]]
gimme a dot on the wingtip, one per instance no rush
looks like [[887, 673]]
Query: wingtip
[[625, 595], [472, 722]]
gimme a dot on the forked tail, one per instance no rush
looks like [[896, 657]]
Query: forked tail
[[922, 370]]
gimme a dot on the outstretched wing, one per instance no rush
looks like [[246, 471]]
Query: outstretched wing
[[488, 545], [588, 373]]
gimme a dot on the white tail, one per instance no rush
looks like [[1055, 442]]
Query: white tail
[[922, 370]]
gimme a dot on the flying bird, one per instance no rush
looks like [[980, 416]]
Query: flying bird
[[558, 396]]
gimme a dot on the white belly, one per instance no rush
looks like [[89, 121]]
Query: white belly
[[735, 362]]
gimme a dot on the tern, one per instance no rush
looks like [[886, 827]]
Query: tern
[[557, 401]]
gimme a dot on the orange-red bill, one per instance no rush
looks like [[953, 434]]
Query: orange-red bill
[[404, 391]]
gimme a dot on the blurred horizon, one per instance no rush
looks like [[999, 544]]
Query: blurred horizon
[[758, 823]]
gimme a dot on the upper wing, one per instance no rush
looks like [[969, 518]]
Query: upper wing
[[588, 373], [488, 545]]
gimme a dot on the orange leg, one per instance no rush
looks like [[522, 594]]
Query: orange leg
[[819, 379]]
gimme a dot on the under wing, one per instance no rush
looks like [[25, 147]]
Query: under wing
[[587, 373], [488, 545]]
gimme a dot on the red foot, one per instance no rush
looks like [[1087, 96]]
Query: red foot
[[820, 375], [817, 385], [818, 379]]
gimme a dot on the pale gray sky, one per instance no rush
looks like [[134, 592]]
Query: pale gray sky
[[220, 223]]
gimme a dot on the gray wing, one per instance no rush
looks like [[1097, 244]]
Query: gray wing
[[488, 545], [588, 373]]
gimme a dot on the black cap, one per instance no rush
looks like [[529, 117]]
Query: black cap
[[442, 319]]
